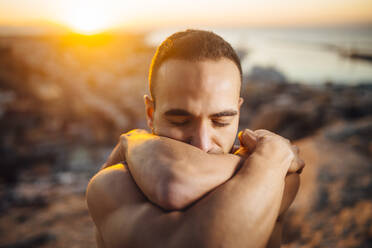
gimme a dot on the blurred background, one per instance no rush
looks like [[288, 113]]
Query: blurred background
[[73, 75]]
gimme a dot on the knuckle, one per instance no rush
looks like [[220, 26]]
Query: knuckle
[[295, 149], [261, 132], [266, 139]]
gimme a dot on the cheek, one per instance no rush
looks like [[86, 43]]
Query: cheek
[[226, 137], [163, 128], [229, 136], [170, 132]]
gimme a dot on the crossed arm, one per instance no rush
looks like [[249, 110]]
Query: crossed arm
[[173, 175], [124, 217], [170, 173]]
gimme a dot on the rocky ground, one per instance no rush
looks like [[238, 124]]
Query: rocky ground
[[65, 100]]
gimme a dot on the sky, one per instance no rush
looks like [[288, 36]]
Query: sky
[[94, 15]]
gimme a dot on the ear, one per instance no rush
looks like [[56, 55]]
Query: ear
[[149, 106], [241, 100]]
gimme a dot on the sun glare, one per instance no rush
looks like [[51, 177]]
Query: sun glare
[[88, 17]]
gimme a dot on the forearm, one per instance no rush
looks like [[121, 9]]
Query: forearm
[[239, 213], [292, 184], [244, 210], [173, 174]]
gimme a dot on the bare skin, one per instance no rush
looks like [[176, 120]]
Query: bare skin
[[178, 175], [125, 202], [165, 178], [257, 162], [215, 198]]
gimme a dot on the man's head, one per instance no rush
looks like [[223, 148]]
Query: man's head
[[195, 80]]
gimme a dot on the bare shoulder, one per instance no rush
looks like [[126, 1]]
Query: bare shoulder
[[122, 215], [110, 189]]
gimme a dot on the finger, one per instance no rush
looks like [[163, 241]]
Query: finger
[[263, 132], [295, 149], [296, 166], [301, 163], [247, 139]]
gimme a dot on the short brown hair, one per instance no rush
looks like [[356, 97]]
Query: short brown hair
[[191, 45]]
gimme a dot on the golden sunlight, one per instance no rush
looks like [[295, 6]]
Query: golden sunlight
[[88, 17]]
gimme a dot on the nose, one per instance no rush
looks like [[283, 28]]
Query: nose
[[201, 137]]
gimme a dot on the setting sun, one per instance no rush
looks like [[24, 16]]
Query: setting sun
[[88, 17]]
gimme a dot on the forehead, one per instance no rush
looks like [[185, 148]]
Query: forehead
[[198, 85]]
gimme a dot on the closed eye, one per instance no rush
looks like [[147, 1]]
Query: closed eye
[[224, 118], [179, 123], [220, 124]]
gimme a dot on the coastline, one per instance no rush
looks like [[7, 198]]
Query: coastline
[[63, 103]]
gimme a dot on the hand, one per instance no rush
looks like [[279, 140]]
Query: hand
[[270, 143], [248, 143], [131, 138], [120, 152]]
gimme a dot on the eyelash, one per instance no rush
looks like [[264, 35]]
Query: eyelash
[[219, 124], [179, 123], [216, 123]]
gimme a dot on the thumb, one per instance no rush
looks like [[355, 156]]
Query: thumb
[[248, 139]]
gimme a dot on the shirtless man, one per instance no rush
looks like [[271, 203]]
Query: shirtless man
[[184, 185]]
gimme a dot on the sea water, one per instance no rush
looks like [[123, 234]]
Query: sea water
[[304, 55]]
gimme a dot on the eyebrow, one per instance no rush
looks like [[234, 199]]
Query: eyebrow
[[177, 112], [225, 113], [182, 112]]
